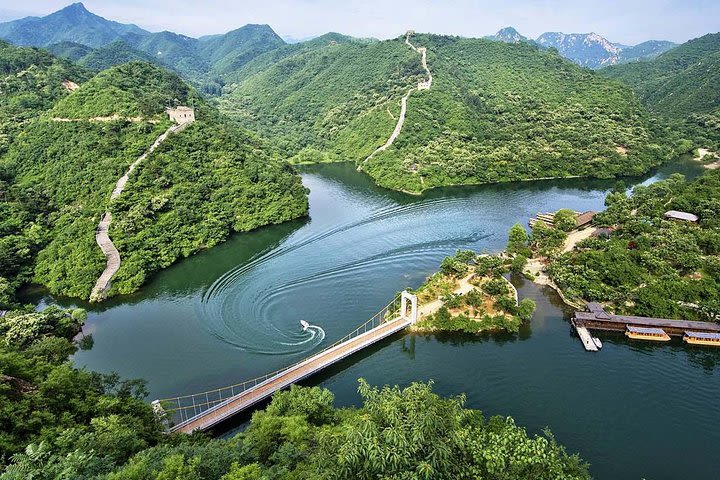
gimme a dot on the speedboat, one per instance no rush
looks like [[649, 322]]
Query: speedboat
[[597, 342], [304, 324]]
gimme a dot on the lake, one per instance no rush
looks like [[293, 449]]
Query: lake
[[232, 313]]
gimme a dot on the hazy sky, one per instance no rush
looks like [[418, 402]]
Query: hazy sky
[[623, 21]]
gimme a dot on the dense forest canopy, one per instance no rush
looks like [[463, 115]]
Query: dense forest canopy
[[61, 422], [328, 101], [682, 86], [496, 112], [130, 90], [679, 82], [31, 81], [648, 265], [204, 183]]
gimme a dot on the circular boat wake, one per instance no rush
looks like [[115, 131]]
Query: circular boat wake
[[255, 306], [310, 334]]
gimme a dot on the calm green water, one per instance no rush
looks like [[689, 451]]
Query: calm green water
[[233, 313]]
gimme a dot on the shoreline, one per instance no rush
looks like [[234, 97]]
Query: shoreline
[[704, 152], [422, 192]]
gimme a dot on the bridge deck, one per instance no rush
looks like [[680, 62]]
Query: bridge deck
[[317, 362]]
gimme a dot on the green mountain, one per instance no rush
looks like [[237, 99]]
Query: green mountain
[[644, 51], [191, 193], [73, 31], [176, 51], [70, 50], [112, 54], [31, 81], [680, 82], [73, 23], [231, 51], [496, 112]]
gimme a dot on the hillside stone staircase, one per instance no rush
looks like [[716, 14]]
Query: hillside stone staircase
[[102, 236], [423, 85]]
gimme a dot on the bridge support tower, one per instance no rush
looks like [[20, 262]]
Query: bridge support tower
[[404, 299]]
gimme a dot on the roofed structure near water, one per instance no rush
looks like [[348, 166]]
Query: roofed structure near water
[[703, 335], [681, 216], [645, 330], [584, 219]]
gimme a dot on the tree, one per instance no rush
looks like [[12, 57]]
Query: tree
[[565, 220], [496, 286], [489, 265], [451, 267], [526, 309], [518, 264], [465, 256], [474, 298], [517, 239]]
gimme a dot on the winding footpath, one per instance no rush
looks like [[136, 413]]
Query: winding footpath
[[102, 236], [403, 102]]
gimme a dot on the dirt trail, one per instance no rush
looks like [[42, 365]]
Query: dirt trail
[[464, 287], [403, 102], [577, 236], [111, 118], [702, 152], [102, 236], [429, 308]]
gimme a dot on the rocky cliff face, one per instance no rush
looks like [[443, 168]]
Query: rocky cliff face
[[587, 49]]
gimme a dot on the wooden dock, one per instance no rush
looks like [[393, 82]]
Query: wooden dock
[[207, 409], [598, 319], [585, 337]]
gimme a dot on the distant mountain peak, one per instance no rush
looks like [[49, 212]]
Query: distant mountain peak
[[508, 35], [75, 11], [76, 7], [73, 23]]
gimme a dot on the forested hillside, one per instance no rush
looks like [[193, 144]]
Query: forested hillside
[[680, 82], [70, 50], [648, 265], [82, 36], [682, 86], [496, 112], [327, 102], [112, 54], [200, 186], [31, 80]]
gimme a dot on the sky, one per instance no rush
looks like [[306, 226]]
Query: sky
[[623, 21]]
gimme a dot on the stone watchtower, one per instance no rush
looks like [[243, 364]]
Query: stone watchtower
[[181, 114]]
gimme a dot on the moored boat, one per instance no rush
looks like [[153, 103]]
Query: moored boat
[[645, 333], [597, 342], [702, 338]]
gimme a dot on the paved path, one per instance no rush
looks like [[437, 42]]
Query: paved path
[[403, 102], [102, 237]]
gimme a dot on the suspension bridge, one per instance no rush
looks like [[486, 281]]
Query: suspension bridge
[[202, 411]]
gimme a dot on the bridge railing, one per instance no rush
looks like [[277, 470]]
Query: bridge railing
[[181, 409]]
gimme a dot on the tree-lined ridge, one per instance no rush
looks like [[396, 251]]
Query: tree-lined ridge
[[102, 236], [424, 85]]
